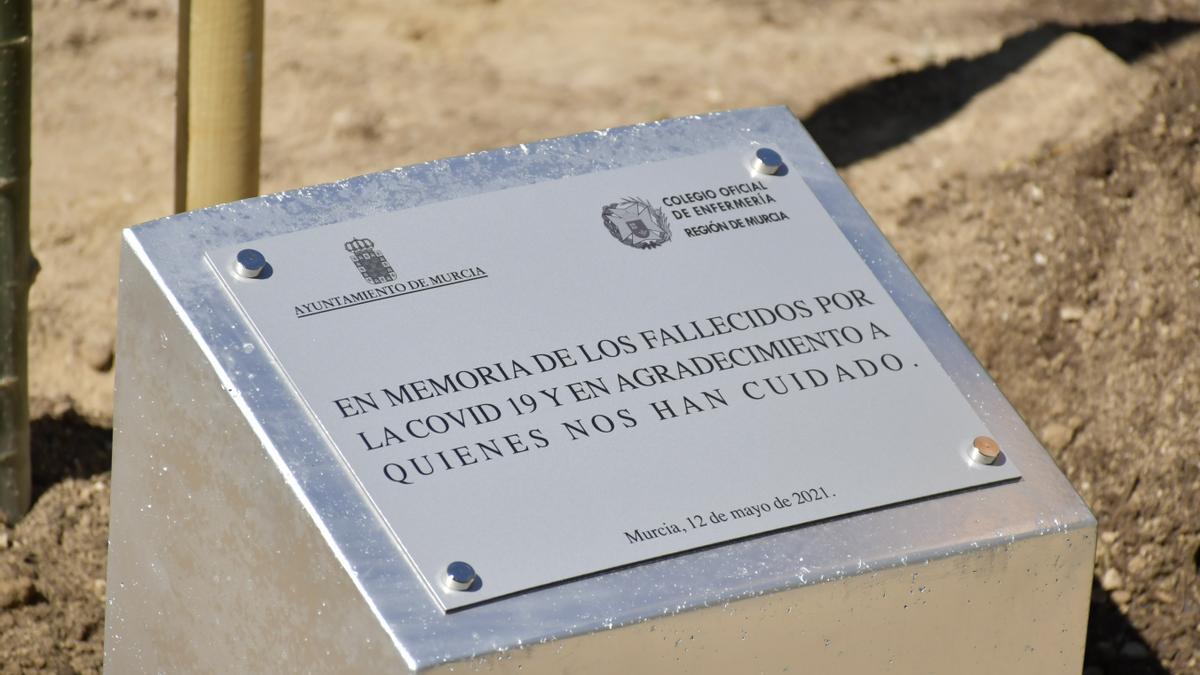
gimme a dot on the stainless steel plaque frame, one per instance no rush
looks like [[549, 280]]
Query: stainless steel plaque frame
[[240, 542]]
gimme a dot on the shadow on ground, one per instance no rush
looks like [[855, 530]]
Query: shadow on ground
[[882, 114], [1113, 644], [870, 119], [67, 446]]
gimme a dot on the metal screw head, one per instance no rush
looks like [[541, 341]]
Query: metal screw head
[[984, 450], [459, 576], [766, 161], [249, 263]]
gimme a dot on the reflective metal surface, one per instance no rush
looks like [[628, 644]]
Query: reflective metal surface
[[215, 565], [600, 368], [249, 263], [567, 623], [766, 162], [459, 576]]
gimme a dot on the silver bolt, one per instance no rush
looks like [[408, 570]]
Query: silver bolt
[[984, 450], [249, 264], [459, 576], [766, 161]]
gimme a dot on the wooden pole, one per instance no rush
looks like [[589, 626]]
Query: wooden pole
[[219, 102], [17, 266]]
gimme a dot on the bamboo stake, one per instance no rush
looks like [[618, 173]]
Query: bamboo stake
[[17, 266], [219, 101]]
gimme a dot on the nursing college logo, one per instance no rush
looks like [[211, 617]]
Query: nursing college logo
[[635, 222], [370, 263]]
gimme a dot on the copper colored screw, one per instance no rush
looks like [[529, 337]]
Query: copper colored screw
[[984, 450]]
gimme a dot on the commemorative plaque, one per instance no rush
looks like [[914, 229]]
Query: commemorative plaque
[[607, 368], [526, 396]]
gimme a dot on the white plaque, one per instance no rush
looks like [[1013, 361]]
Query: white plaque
[[558, 379]]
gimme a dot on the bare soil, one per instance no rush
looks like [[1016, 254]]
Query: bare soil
[[1037, 164]]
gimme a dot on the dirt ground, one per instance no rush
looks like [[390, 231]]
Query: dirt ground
[[1037, 164]]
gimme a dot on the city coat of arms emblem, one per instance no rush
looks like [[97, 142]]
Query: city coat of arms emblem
[[370, 263], [635, 222]]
